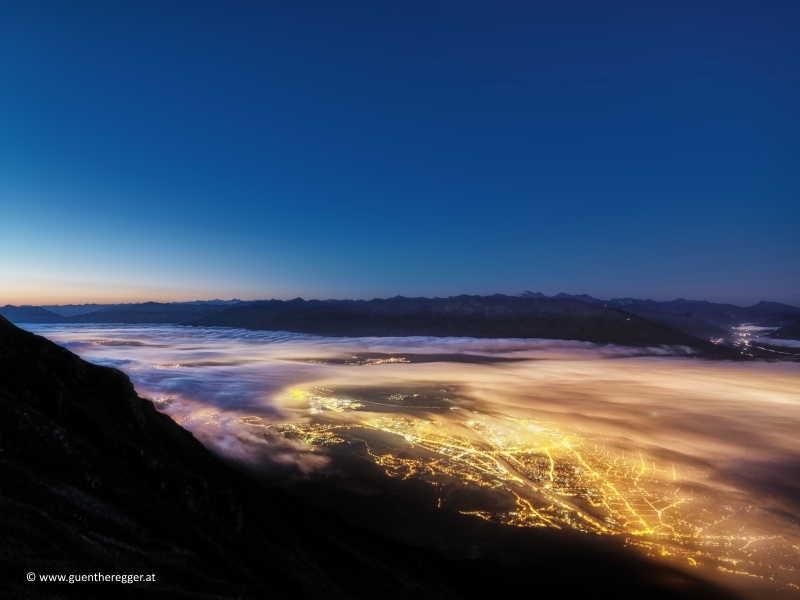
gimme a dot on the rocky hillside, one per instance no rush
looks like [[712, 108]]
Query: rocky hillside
[[94, 479]]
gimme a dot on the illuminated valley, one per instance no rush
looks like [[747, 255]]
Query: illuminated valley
[[690, 462], [565, 478]]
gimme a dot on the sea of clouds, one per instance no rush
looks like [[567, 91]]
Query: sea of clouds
[[734, 423]]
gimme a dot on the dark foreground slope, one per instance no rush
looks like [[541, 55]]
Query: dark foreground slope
[[94, 479], [469, 316]]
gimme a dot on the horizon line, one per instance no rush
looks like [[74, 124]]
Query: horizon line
[[234, 301]]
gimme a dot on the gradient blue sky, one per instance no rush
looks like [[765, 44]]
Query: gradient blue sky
[[184, 150]]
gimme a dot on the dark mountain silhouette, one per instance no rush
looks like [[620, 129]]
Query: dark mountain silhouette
[[584, 297], [529, 315], [30, 314], [71, 310], [471, 316], [96, 480], [150, 312], [719, 315], [256, 315], [681, 321], [698, 318], [790, 331]]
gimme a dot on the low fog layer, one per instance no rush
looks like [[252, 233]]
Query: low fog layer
[[718, 439]]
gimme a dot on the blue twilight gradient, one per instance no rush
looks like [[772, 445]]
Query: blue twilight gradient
[[361, 149]]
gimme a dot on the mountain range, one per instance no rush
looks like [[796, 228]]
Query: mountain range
[[469, 316], [624, 321]]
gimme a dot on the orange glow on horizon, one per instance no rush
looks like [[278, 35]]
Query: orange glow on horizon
[[42, 293]]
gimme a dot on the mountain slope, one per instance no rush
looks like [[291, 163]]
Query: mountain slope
[[679, 321], [719, 315], [698, 318], [71, 310], [789, 331], [149, 312], [256, 314], [470, 316], [96, 480]]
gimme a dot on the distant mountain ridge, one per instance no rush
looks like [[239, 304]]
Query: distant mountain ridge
[[30, 314], [495, 316], [150, 312], [256, 315], [70, 310], [791, 331], [529, 314], [584, 297], [696, 317]]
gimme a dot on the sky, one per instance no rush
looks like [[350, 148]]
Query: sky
[[194, 150]]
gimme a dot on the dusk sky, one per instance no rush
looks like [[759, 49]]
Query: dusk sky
[[193, 150]]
